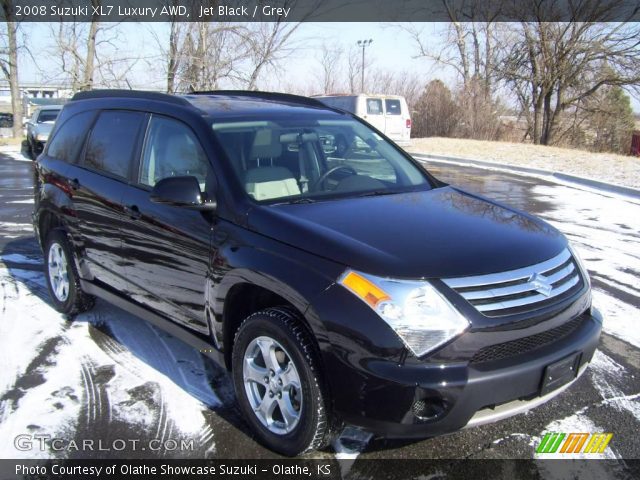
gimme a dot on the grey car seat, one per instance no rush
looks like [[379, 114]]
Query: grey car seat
[[266, 180]]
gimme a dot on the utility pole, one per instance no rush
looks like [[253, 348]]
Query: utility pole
[[363, 44]]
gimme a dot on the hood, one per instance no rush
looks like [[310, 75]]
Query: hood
[[444, 232], [44, 128]]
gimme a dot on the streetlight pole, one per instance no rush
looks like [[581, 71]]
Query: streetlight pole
[[363, 44]]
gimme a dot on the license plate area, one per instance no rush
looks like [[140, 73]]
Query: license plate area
[[560, 373]]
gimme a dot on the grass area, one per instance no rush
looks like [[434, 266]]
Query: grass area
[[605, 167]]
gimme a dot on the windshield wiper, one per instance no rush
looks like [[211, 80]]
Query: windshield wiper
[[302, 200], [376, 193]]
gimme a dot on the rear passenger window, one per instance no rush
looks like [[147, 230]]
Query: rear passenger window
[[374, 106], [392, 107], [112, 141], [67, 142]]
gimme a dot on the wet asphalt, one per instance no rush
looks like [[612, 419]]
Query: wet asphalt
[[605, 398]]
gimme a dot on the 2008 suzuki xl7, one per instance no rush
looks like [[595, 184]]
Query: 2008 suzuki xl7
[[338, 285]]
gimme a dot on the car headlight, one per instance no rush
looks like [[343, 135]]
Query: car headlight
[[42, 137], [418, 313], [580, 262]]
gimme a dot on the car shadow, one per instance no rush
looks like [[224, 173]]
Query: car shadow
[[120, 334]]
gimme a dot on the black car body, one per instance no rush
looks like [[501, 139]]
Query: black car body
[[206, 261]]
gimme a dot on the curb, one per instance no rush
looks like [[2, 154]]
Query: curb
[[587, 182]]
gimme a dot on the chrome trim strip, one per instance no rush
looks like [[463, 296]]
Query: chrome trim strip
[[492, 278], [506, 410], [517, 302], [521, 288]]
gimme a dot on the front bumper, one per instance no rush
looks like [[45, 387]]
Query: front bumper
[[460, 395]]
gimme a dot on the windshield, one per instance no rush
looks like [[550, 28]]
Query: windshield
[[307, 159], [48, 116]]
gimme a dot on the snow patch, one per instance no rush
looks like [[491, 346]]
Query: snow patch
[[607, 375], [49, 382], [618, 316]]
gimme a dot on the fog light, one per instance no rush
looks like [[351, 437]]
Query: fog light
[[428, 409]]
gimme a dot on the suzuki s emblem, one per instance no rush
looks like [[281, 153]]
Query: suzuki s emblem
[[541, 284]]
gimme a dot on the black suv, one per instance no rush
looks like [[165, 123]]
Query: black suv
[[339, 286]]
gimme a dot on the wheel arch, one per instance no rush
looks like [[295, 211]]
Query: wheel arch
[[244, 292]]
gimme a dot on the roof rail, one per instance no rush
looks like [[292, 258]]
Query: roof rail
[[141, 94], [288, 97]]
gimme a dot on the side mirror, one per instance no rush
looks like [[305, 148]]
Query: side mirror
[[181, 192]]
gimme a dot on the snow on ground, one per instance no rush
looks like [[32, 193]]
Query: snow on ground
[[15, 230], [607, 167], [608, 376], [44, 391], [604, 231], [15, 152]]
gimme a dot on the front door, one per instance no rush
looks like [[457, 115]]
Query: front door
[[167, 249]]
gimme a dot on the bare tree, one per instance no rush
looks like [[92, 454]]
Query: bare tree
[[9, 65], [268, 44], [354, 70], [173, 57], [554, 66], [91, 48], [86, 54], [330, 64]]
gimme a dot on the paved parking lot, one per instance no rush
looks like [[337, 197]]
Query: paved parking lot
[[109, 376]]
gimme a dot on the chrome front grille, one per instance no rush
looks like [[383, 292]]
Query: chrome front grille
[[521, 290]]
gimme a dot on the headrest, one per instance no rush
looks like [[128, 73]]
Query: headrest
[[266, 144]]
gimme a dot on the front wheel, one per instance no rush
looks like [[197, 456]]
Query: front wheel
[[277, 381]]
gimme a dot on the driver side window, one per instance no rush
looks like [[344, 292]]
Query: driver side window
[[172, 150]]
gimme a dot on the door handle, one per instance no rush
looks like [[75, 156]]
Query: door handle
[[74, 184], [133, 211]]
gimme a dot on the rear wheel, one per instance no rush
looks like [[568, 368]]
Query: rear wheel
[[62, 278], [277, 382]]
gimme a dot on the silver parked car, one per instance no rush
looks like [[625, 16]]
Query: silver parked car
[[39, 127]]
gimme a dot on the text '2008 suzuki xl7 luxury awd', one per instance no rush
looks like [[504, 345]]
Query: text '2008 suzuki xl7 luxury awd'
[[297, 246]]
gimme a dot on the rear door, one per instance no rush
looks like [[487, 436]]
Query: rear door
[[167, 249], [98, 184], [374, 112], [394, 120]]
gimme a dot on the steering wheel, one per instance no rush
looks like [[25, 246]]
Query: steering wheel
[[331, 171]]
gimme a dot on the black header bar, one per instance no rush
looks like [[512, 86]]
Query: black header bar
[[325, 10]]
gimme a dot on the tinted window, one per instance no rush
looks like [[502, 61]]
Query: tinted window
[[392, 107], [314, 156], [69, 137], [171, 150], [344, 103], [112, 141], [48, 116], [374, 106], [6, 120]]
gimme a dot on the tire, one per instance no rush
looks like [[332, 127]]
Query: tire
[[30, 150], [62, 277], [295, 354]]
